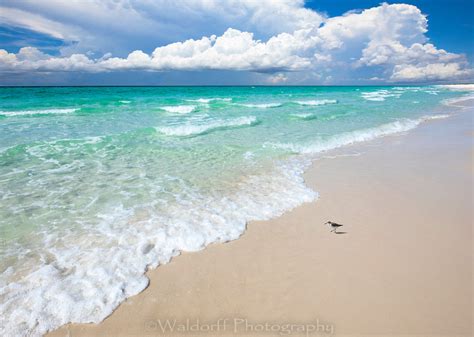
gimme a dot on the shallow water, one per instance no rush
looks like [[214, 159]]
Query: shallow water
[[97, 184]]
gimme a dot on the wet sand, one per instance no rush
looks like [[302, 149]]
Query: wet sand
[[402, 264]]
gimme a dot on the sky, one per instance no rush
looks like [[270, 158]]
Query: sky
[[236, 42]]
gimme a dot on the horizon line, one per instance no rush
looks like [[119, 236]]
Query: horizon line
[[227, 85]]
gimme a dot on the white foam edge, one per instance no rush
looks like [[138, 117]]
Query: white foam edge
[[356, 136], [53, 111], [197, 129]]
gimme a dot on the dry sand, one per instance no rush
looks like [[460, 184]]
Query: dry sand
[[403, 266]]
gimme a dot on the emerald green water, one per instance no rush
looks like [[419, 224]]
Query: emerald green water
[[97, 184]]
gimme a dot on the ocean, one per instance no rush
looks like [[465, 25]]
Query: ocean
[[100, 184]]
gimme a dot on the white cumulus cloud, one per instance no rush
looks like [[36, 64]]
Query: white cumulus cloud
[[119, 26], [432, 71], [389, 38]]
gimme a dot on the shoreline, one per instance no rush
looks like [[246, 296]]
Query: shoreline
[[218, 281]]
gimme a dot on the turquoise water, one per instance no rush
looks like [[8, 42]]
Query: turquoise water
[[97, 184]]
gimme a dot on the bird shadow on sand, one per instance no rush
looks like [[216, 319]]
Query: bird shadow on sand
[[340, 232]]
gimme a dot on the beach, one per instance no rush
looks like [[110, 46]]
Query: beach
[[401, 264], [236, 168], [109, 193]]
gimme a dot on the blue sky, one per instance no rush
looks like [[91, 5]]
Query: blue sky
[[274, 42]]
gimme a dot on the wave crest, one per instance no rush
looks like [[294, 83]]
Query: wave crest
[[262, 105], [380, 95], [305, 116], [199, 129], [357, 136], [38, 112], [179, 109], [208, 100], [317, 102]]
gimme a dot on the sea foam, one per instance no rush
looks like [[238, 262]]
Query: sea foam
[[83, 278], [198, 129], [357, 136], [454, 101], [305, 115], [380, 95], [261, 105], [38, 112], [208, 100], [179, 109], [317, 102]]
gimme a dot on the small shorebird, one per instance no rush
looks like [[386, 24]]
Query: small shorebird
[[333, 225]]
